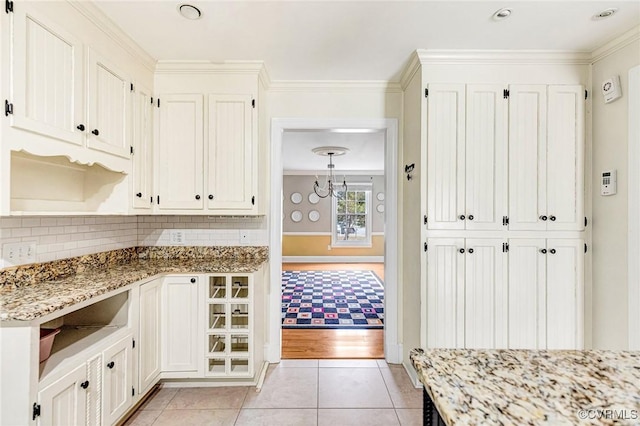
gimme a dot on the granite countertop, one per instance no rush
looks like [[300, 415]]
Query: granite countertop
[[533, 387], [52, 293]]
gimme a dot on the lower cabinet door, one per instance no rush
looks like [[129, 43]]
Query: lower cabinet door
[[64, 402], [149, 335], [117, 380]]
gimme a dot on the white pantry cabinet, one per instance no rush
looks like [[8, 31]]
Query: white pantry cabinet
[[466, 156], [546, 157], [142, 149]]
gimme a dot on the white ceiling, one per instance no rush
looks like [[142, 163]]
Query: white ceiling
[[360, 40], [366, 151]]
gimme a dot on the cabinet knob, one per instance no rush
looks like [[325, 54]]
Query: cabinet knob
[[193, 280], [470, 250], [552, 218], [543, 251], [111, 364], [543, 217], [470, 217], [197, 197], [95, 132], [210, 197], [80, 127], [552, 251], [84, 384], [139, 195], [461, 250], [461, 217]]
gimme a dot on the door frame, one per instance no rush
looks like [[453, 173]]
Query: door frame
[[634, 209], [392, 348]]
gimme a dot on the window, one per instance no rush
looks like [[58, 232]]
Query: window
[[351, 217]]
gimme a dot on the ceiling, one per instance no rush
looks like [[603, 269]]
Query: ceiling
[[366, 150], [360, 40]]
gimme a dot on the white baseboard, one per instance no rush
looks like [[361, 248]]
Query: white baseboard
[[413, 375], [332, 259]]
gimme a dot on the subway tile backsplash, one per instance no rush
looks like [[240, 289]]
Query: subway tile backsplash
[[60, 237]]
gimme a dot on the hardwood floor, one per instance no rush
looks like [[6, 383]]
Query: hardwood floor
[[333, 344]]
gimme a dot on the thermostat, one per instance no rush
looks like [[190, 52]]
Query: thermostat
[[608, 184], [611, 89]]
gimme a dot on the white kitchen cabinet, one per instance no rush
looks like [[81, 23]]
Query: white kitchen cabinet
[[180, 334], [229, 332], [466, 293], [64, 402], [180, 153], [232, 158], [117, 380], [142, 149], [546, 157], [466, 156], [149, 334], [546, 281]]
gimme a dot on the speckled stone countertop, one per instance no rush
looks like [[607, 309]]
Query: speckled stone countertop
[[34, 291], [529, 387]]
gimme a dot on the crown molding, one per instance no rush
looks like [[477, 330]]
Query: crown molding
[[210, 67], [616, 44], [506, 57], [107, 26], [410, 70], [335, 86]]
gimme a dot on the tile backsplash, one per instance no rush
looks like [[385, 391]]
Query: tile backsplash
[[60, 237]]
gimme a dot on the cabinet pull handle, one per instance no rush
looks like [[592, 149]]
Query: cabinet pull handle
[[461, 217], [84, 384], [210, 197], [470, 250], [552, 218], [552, 251], [193, 280], [197, 197], [461, 250], [111, 364], [95, 132], [80, 127], [543, 251], [139, 195], [470, 217], [543, 217]]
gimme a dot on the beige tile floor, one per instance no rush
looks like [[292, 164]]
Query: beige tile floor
[[296, 393]]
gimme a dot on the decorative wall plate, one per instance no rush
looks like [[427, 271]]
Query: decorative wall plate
[[296, 198], [314, 215], [313, 198], [296, 215], [380, 208], [380, 196]]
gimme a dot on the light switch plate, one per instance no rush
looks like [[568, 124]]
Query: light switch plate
[[176, 237], [18, 253]]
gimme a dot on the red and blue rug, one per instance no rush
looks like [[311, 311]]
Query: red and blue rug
[[332, 299]]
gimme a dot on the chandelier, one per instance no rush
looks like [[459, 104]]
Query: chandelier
[[329, 189]]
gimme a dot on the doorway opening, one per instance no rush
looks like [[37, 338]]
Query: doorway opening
[[341, 241]]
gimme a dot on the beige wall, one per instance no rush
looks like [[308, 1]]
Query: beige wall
[[318, 245], [610, 230]]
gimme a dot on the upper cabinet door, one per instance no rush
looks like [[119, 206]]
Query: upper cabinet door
[[109, 107], [180, 166], [142, 148], [445, 156], [527, 157], [47, 77], [486, 157], [231, 153], [565, 158]]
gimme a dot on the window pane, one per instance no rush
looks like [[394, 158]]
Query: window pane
[[361, 196]]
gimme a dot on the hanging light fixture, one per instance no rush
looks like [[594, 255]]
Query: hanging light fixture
[[329, 189]]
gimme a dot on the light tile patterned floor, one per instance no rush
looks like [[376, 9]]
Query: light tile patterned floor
[[296, 393]]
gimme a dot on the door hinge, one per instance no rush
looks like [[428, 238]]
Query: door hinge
[[585, 247], [253, 103], [505, 220], [8, 7], [152, 100], [151, 200], [36, 410], [132, 87], [505, 93], [426, 247], [134, 343], [133, 391], [426, 93], [253, 200], [8, 108], [131, 149], [586, 94], [505, 247], [158, 102], [158, 200], [425, 219], [585, 221]]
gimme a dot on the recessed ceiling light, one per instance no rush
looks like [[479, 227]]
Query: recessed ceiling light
[[607, 13], [501, 14], [189, 11]]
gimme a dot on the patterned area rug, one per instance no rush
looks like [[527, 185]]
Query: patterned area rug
[[332, 299]]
